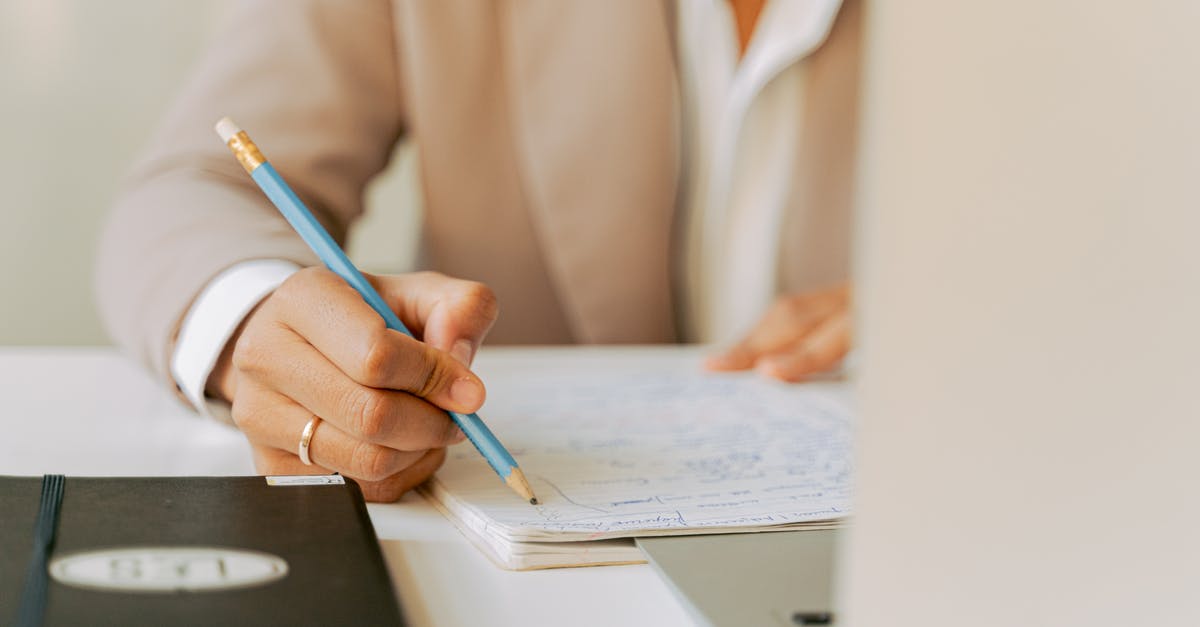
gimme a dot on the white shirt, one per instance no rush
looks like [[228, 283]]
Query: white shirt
[[739, 121]]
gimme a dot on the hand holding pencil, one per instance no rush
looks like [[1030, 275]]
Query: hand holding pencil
[[313, 348], [326, 372]]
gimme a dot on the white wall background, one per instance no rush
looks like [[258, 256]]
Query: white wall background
[[81, 85]]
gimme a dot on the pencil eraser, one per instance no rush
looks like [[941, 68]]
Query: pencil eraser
[[227, 129]]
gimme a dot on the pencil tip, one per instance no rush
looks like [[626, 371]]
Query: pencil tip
[[516, 481]]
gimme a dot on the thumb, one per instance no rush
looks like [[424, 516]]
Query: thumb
[[452, 315]]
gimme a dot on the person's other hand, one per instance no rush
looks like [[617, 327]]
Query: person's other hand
[[799, 336], [315, 348]]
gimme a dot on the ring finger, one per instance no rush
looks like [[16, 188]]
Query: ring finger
[[278, 422], [389, 418]]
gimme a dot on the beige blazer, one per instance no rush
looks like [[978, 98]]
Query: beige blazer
[[549, 147]]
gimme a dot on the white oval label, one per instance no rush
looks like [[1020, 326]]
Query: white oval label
[[167, 569]]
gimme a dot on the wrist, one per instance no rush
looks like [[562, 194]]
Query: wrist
[[222, 384], [222, 381], [211, 326]]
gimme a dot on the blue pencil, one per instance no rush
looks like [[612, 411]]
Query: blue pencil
[[335, 259]]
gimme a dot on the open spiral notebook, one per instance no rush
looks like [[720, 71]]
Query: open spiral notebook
[[645, 447]]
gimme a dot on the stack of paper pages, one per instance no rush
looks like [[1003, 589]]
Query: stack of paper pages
[[647, 447]]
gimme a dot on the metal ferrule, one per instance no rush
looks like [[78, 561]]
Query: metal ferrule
[[246, 152]]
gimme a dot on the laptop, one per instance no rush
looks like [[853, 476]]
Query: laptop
[[773, 579]]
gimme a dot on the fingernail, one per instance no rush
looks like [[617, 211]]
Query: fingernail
[[467, 392], [463, 351], [729, 361], [459, 436], [776, 369], [715, 361]]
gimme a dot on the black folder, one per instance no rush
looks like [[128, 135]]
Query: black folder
[[310, 546]]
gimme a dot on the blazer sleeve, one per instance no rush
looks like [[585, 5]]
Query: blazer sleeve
[[315, 84]]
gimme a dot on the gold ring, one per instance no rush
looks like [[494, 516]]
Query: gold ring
[[306, 440]]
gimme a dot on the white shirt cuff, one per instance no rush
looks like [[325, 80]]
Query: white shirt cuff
[[214, 317]]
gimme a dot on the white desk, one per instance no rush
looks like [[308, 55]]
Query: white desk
[[88, 411]]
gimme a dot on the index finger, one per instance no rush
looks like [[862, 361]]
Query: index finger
[[333, 317], [819, 351]]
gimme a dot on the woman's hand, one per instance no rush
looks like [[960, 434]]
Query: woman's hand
[[799, 336], [315, 348]]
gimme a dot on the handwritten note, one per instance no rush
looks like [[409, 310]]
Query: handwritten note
[[646, 452]]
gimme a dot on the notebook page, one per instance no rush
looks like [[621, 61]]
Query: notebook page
[[617, 452]]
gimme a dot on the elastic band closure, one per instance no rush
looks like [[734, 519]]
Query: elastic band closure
[[33, 597]]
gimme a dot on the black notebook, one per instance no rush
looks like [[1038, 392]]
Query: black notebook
[[195, 551]]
